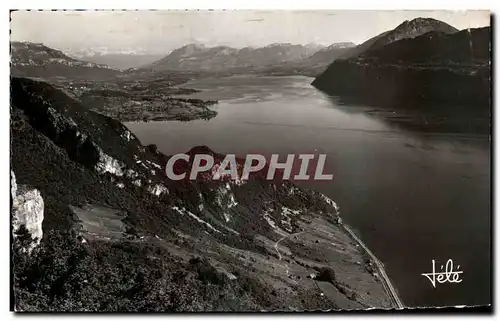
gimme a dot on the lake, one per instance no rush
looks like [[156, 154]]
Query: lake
[[411, 196]]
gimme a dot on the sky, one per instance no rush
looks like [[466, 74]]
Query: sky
[[158, 32]]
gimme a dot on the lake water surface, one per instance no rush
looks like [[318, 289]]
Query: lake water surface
[[411, 196]]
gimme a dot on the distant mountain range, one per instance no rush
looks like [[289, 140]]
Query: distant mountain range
[[37, 60], [124, 58], [30, 59], [34, 59], [288, 58], [200, 57], [328, 54]]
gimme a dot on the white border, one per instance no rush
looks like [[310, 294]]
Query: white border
[[257, 4], [492, 5]]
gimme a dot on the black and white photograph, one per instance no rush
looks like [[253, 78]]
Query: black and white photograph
[[230, 160]]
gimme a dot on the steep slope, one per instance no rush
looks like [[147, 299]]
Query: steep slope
[[359, 49], [406, 30], [119, 236], [411, 29], [273, 54], [432, 69], [36, 60]]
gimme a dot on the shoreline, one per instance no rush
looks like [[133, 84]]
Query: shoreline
[[386, 281]]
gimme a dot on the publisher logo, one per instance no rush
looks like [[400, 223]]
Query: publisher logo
[[446, 274]]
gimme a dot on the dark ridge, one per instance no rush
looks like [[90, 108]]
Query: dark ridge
[[431, 69], [464, 47]]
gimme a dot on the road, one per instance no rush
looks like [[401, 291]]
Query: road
[[386, 282], [385, 279]]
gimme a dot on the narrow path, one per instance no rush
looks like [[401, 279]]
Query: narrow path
[[278, 251], [386, 282]]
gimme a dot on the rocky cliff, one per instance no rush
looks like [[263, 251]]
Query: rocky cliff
[[27, 215]]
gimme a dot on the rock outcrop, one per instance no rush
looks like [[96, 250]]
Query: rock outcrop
[[27, 214]]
